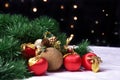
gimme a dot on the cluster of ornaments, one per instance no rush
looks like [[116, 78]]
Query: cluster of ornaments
[[46, 55]]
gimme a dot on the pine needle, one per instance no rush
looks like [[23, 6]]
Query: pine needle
[[13, 69], [83, 47]]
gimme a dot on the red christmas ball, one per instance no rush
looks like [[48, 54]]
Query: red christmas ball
[[86, 60], [72, 62], [38, 66], [28, 50]]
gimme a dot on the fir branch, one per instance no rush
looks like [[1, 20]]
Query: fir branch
[[47, 24], [13, 69], [18, 18], [62, 37], [9, 47], [4, 22], [7, 20], [83, 47], [19, 31]]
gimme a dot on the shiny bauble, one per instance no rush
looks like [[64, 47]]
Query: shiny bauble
[[72, 62], [28, 50], [87, 60], [38, 65]]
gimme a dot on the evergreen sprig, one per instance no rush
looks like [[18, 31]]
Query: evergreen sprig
[[46, 24], [19, 31], [9, 47], [18, 19], [62, 37], [13, 69], [4, 22], [82, 48]]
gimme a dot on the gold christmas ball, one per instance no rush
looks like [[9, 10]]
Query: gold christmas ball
[[54, 58]]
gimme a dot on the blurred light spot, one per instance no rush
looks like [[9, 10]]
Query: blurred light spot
[[75, 18], [71, 26], [96, 22], [106, 14], [45, 0], [22, 0], [92, 31], [7, 5], [103, 34], [116, 22], [61, 7], [61, 19], [75, 6], [115, 33], [34, 9], [103, 10]]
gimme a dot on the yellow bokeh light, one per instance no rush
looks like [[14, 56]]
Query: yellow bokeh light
[[45, 0], [7, 5], [75, 18], [71, 26], [34, 9], [61, 7], [75, 6]]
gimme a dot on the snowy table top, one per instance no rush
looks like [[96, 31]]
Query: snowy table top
[[109, 69]]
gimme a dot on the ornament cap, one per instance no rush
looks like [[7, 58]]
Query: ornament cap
[[95, 63], [34, 60]]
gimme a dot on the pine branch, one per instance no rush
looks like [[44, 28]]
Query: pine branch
[[83, 47], [62, 37], [19, 31], [4, 22], [9, 47], [46, 24], [13, 69]]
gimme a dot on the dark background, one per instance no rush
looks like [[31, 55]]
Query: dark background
[[97, 20]]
